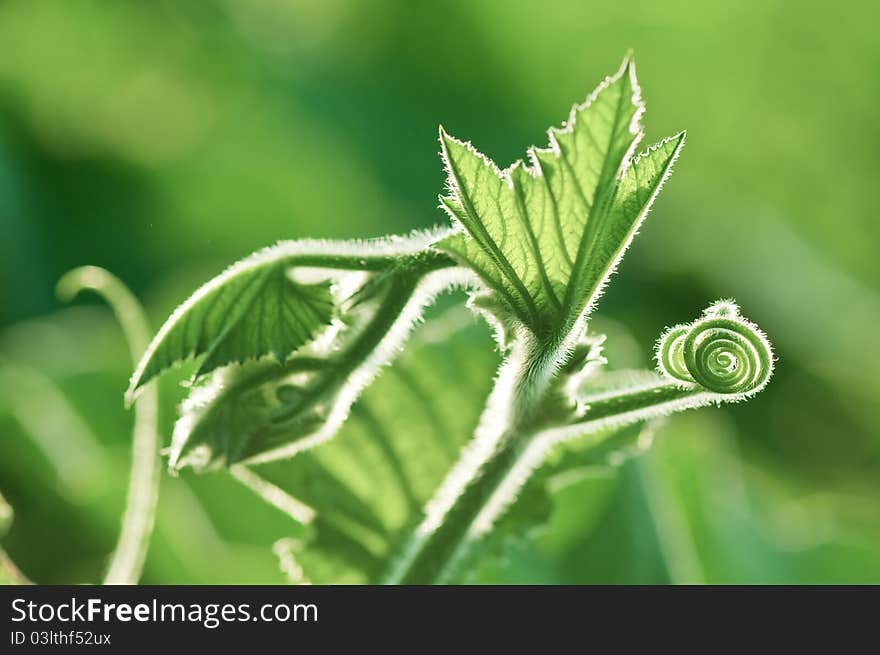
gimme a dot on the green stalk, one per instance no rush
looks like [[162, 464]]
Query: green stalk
[[435, 555], [720, 357], [127, 560]]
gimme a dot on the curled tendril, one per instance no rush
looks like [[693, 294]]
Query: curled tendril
[[721, 351]]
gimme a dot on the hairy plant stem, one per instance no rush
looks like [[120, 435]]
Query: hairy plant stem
[[503, 431], [509, 445]]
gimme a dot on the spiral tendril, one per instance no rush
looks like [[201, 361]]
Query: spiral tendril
[[721, 351]]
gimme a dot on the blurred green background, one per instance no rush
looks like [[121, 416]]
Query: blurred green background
[[163, 140]]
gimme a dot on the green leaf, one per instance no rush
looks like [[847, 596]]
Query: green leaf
[[260, 411], [260, 306], [252, 310], [545, 236]]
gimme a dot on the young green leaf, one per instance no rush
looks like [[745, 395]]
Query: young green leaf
[[264, 410], [546, 236], [256, 311], [258, 307]]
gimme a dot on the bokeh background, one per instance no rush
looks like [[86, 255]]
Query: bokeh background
[[162, 140]]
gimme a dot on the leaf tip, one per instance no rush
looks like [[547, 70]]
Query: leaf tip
[[626, 72], [679, 140], [448, 142], [446, 139]]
